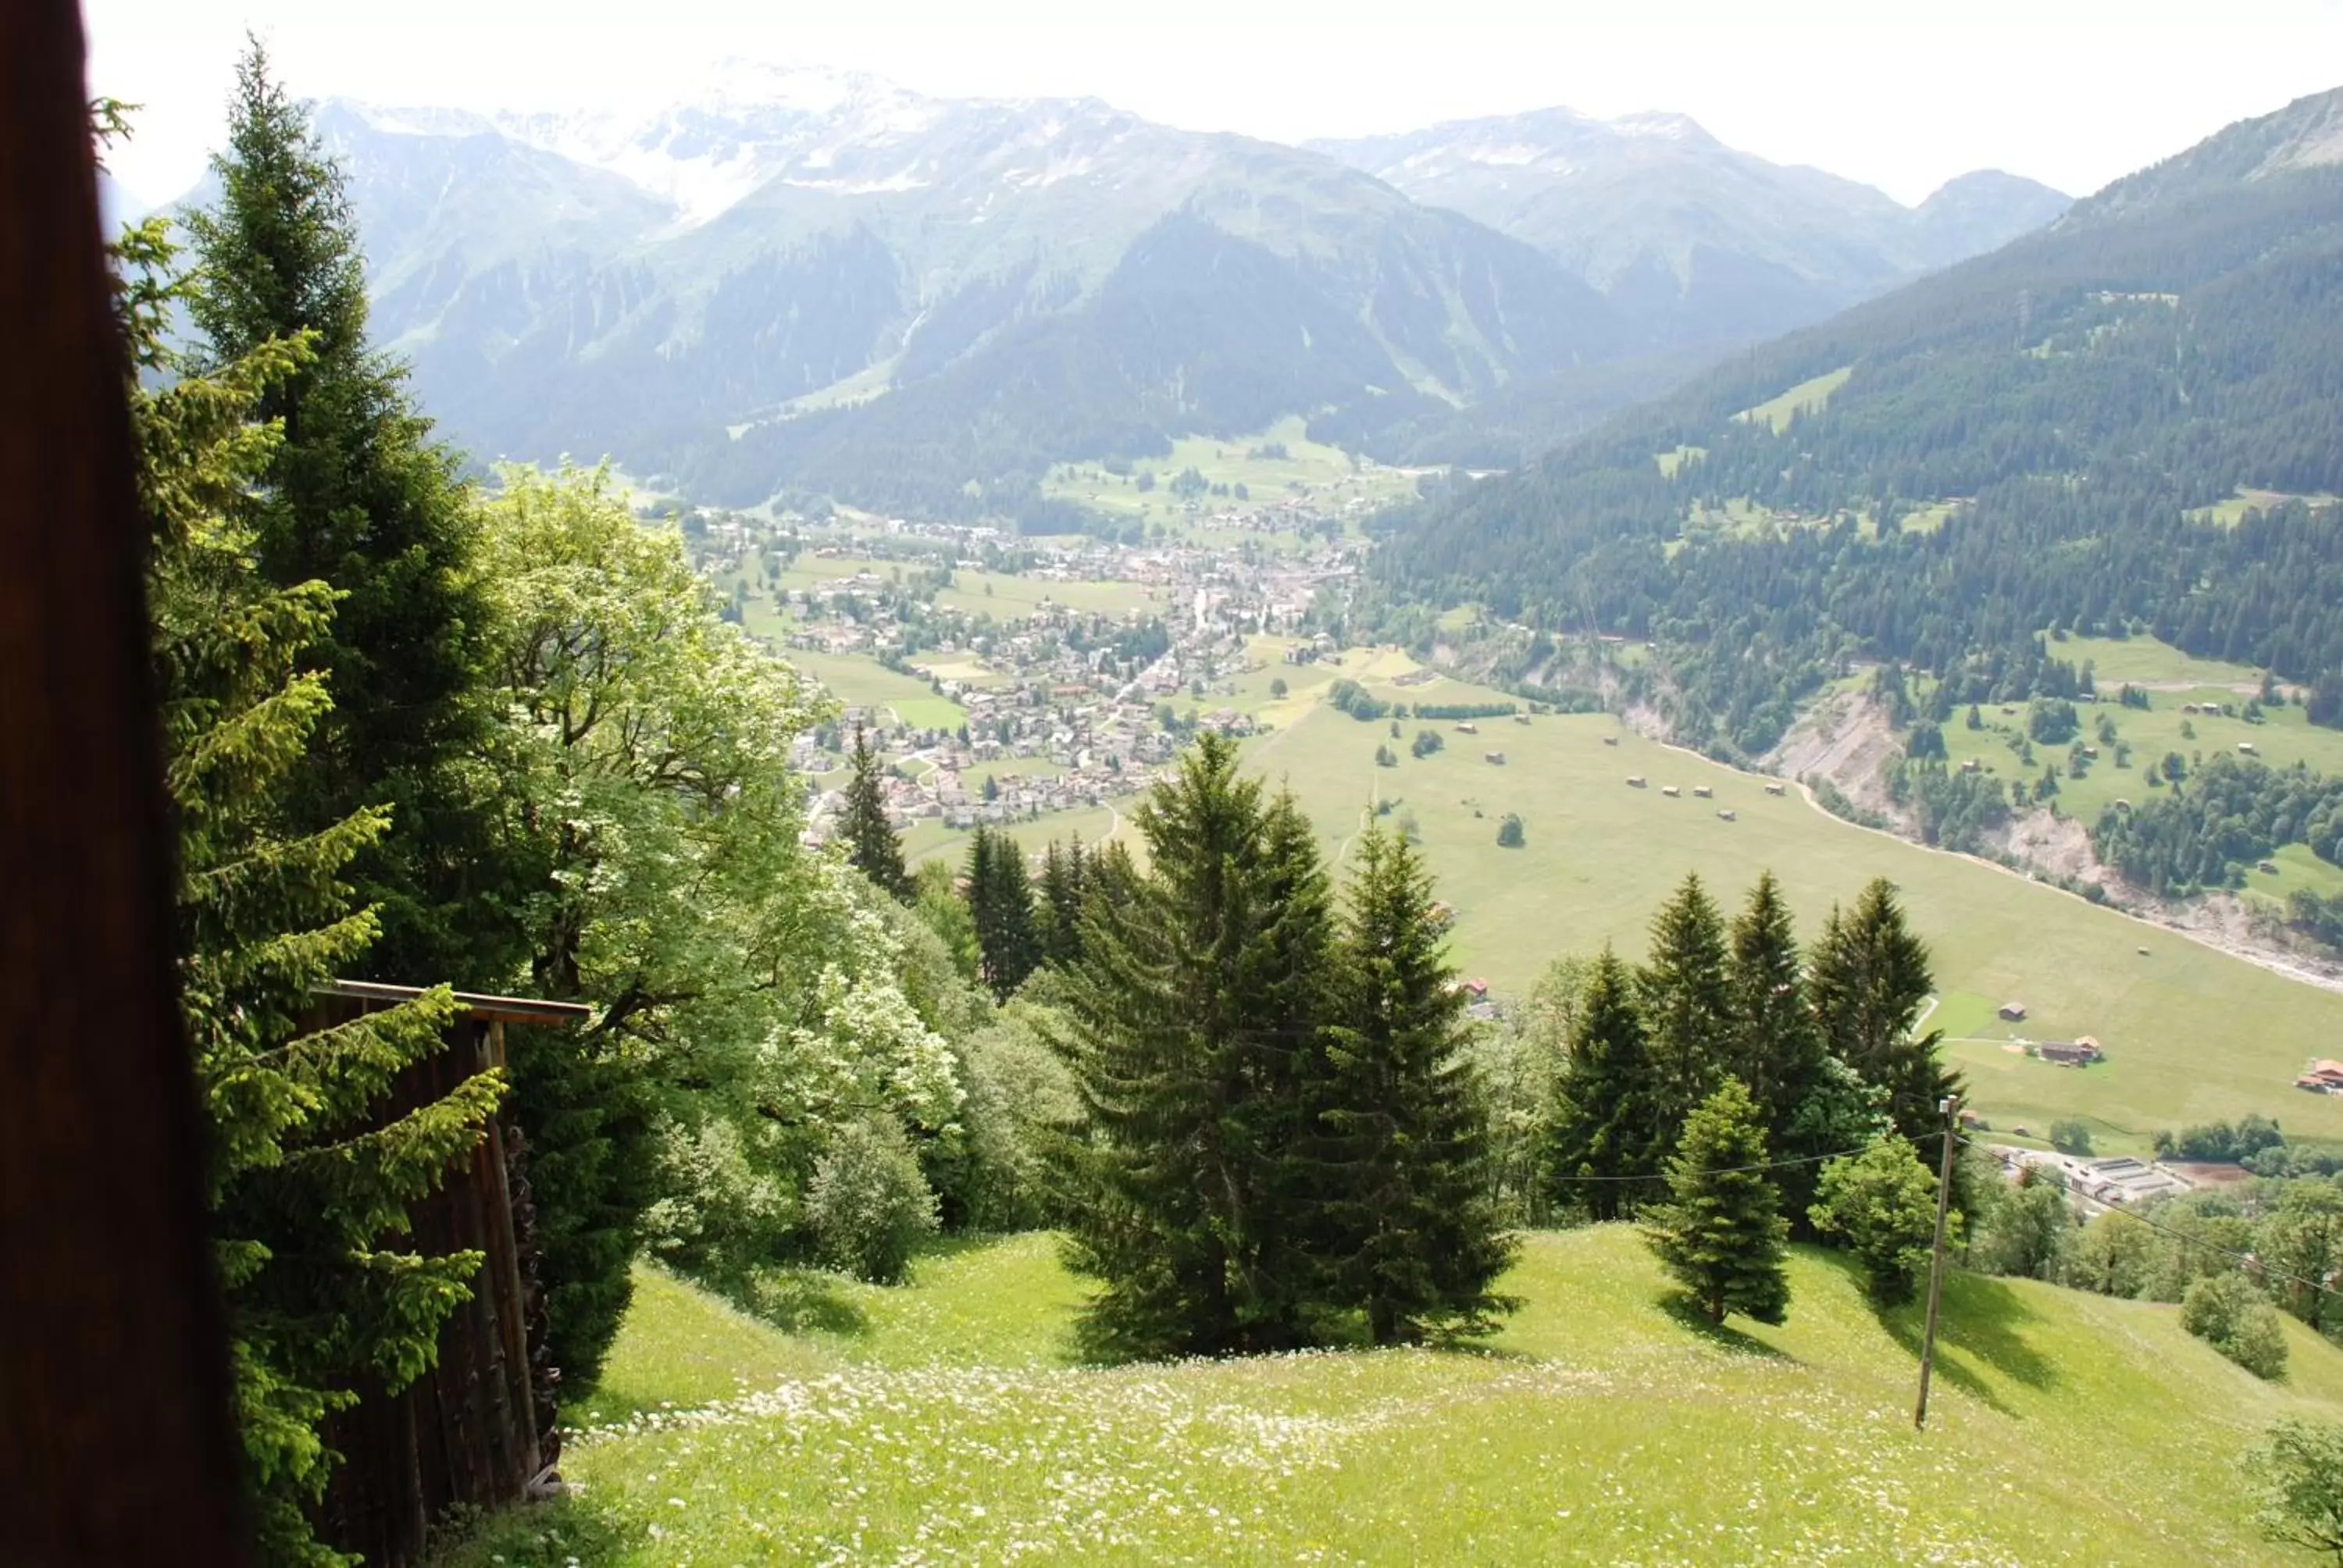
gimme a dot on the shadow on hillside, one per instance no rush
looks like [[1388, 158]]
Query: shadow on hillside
[[1680, 1306], [1986, 1324], [797, 1301]]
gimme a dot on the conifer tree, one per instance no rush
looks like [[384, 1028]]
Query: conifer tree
[[870, 842], [1604, 1130], [1060, 915], [306, 1194], [357, 495], [1774, 1047], [1411, 1234], [1199, 986], [1684, 995], [1000, 903], [1721, 1232], [1870, 976]]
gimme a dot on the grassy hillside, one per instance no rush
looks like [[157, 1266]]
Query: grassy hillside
[[2191, 1034], [941, 1422]]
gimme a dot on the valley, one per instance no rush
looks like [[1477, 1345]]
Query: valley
[[1022, 695]]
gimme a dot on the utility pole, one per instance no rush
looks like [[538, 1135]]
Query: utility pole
[[1950, 1105]]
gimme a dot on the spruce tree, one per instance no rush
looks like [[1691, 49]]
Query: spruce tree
[[1060, 915], [303, 1185], [1774, 1046], [1001, 902], [870, 842], [1410, 1233], [357, 495], [1684, 995], [1720, 1232], [1199, 986], [1870, 976], [1604, 1128]]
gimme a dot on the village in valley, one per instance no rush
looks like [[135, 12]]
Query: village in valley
[[1010, 678]]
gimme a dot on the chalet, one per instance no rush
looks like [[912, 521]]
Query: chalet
[[2267, 868], [1466, 726], [1670, 790], [1726, 815], [1703, 792], [1777, 788], [1971, 764], [2322, 1077], [2070, 1052], [1495, 758], [2246, 747], [2012, 1012], [1610, 740], [1635, 781]]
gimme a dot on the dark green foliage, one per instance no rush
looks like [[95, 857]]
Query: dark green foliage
[[1771, 1044], [2024, 1229], [1605, 1120], [325, 1297], [588, 1116], [870, 842], [2219, 1140], [2055, 388], [1869, 980], [1509, 832], [1720, 1234], [1191, 1024], [1425, 743], [1001, 902], [1408, 1232], [2069, 1135], [1686, 997], [356, 496], [1059, 916], [1883, 1201], [2235, 813], [2052, 721]]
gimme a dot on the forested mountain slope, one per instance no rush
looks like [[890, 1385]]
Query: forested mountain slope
[[2054, 434]]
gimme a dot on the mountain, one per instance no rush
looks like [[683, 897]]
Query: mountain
[[2056, 434], [1676, 227], [801, 281]]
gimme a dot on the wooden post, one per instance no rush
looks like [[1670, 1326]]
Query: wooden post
[[116, 1441], [1950, 1105]]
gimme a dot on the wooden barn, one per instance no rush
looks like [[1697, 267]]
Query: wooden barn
[[479, 1428]]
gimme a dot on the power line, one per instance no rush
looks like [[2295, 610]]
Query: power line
[[1736, 1170]]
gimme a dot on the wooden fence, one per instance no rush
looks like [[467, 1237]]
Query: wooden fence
[[479, 1428]]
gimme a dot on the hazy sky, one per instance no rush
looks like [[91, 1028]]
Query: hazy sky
[[1904, 94]]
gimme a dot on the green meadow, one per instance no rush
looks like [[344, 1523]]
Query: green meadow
[[2191, 1034], [866, 683], [946, 1421], [1326, 473]]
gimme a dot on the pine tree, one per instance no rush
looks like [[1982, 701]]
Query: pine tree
[[1870, 976], [1604, 1129], [1774, 1046], [870, 842], [1720, 1232], [1684, 995], [1410, 1234], [1198, 989], [304, 1188], [1060, 915], [357, 495], [1001, 902]]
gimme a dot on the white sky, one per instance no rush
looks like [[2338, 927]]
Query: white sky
[[1903, 94]]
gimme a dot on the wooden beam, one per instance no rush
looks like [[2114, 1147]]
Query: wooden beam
[[482, 1008], [116, 1440]]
